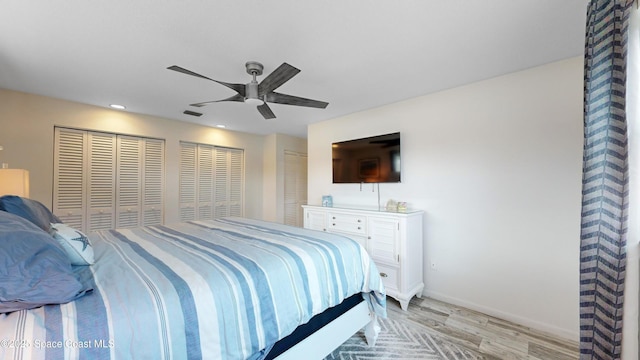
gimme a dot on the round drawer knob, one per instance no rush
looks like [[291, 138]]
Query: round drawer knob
[[359, 228], [383, 275]]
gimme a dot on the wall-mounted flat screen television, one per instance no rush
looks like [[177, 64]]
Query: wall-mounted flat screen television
[[373, 159]]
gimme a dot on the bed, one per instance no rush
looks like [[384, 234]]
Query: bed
[[229, 288]]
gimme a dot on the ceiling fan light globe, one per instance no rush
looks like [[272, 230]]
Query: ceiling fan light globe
[[256, 102]]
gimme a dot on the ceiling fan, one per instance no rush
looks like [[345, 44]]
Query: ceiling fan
[[260, 93]]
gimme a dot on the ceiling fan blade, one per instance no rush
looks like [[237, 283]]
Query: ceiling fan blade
[[279, 98], [278, 77], [239, 88], [266, 112], [236, 97], [185, 71]]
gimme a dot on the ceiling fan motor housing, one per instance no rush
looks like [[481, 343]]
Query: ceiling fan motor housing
[[251, 93]]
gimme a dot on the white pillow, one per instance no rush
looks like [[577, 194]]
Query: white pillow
[[74, 242]]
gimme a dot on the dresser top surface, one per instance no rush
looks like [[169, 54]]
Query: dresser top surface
[[371, 209]]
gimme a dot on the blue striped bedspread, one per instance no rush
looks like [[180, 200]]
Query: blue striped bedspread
[[220, 289]]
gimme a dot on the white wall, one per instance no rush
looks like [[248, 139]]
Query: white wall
[[496, 166], [26, 133]]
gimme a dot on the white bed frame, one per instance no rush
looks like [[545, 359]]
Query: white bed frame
[[321, 343]]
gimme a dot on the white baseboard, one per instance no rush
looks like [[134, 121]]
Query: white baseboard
[[541, 326]]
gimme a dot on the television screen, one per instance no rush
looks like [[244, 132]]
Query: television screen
[[374, 159]]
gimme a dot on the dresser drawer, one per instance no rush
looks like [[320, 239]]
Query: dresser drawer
[[389, 276], [346, 223]]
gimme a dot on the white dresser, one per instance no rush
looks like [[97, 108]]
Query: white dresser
[[393, 239]]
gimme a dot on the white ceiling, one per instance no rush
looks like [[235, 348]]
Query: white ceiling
[[354, 54]]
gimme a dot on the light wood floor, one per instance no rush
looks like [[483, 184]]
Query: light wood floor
[[485, 335]]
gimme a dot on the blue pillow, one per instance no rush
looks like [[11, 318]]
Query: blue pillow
[[31, 210], [34, 269]]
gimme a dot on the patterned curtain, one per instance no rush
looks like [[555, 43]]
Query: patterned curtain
[[605, 182]]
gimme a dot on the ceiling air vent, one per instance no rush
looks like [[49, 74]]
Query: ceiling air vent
[[192, 113]]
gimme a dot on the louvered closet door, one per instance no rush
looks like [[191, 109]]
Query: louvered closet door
[[153, 182], [104, 181], [129, 186], [205, 182], [229, 182], [69, 177], [236, 181], [101, 185], [221, 183], [211, 182], [187, 187]]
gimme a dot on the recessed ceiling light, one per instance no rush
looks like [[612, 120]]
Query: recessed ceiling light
[[221, 126], [116, 106]]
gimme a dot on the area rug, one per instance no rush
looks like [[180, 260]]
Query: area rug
[[401, 340]]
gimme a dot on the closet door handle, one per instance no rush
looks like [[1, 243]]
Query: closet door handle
[[384, 275]]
